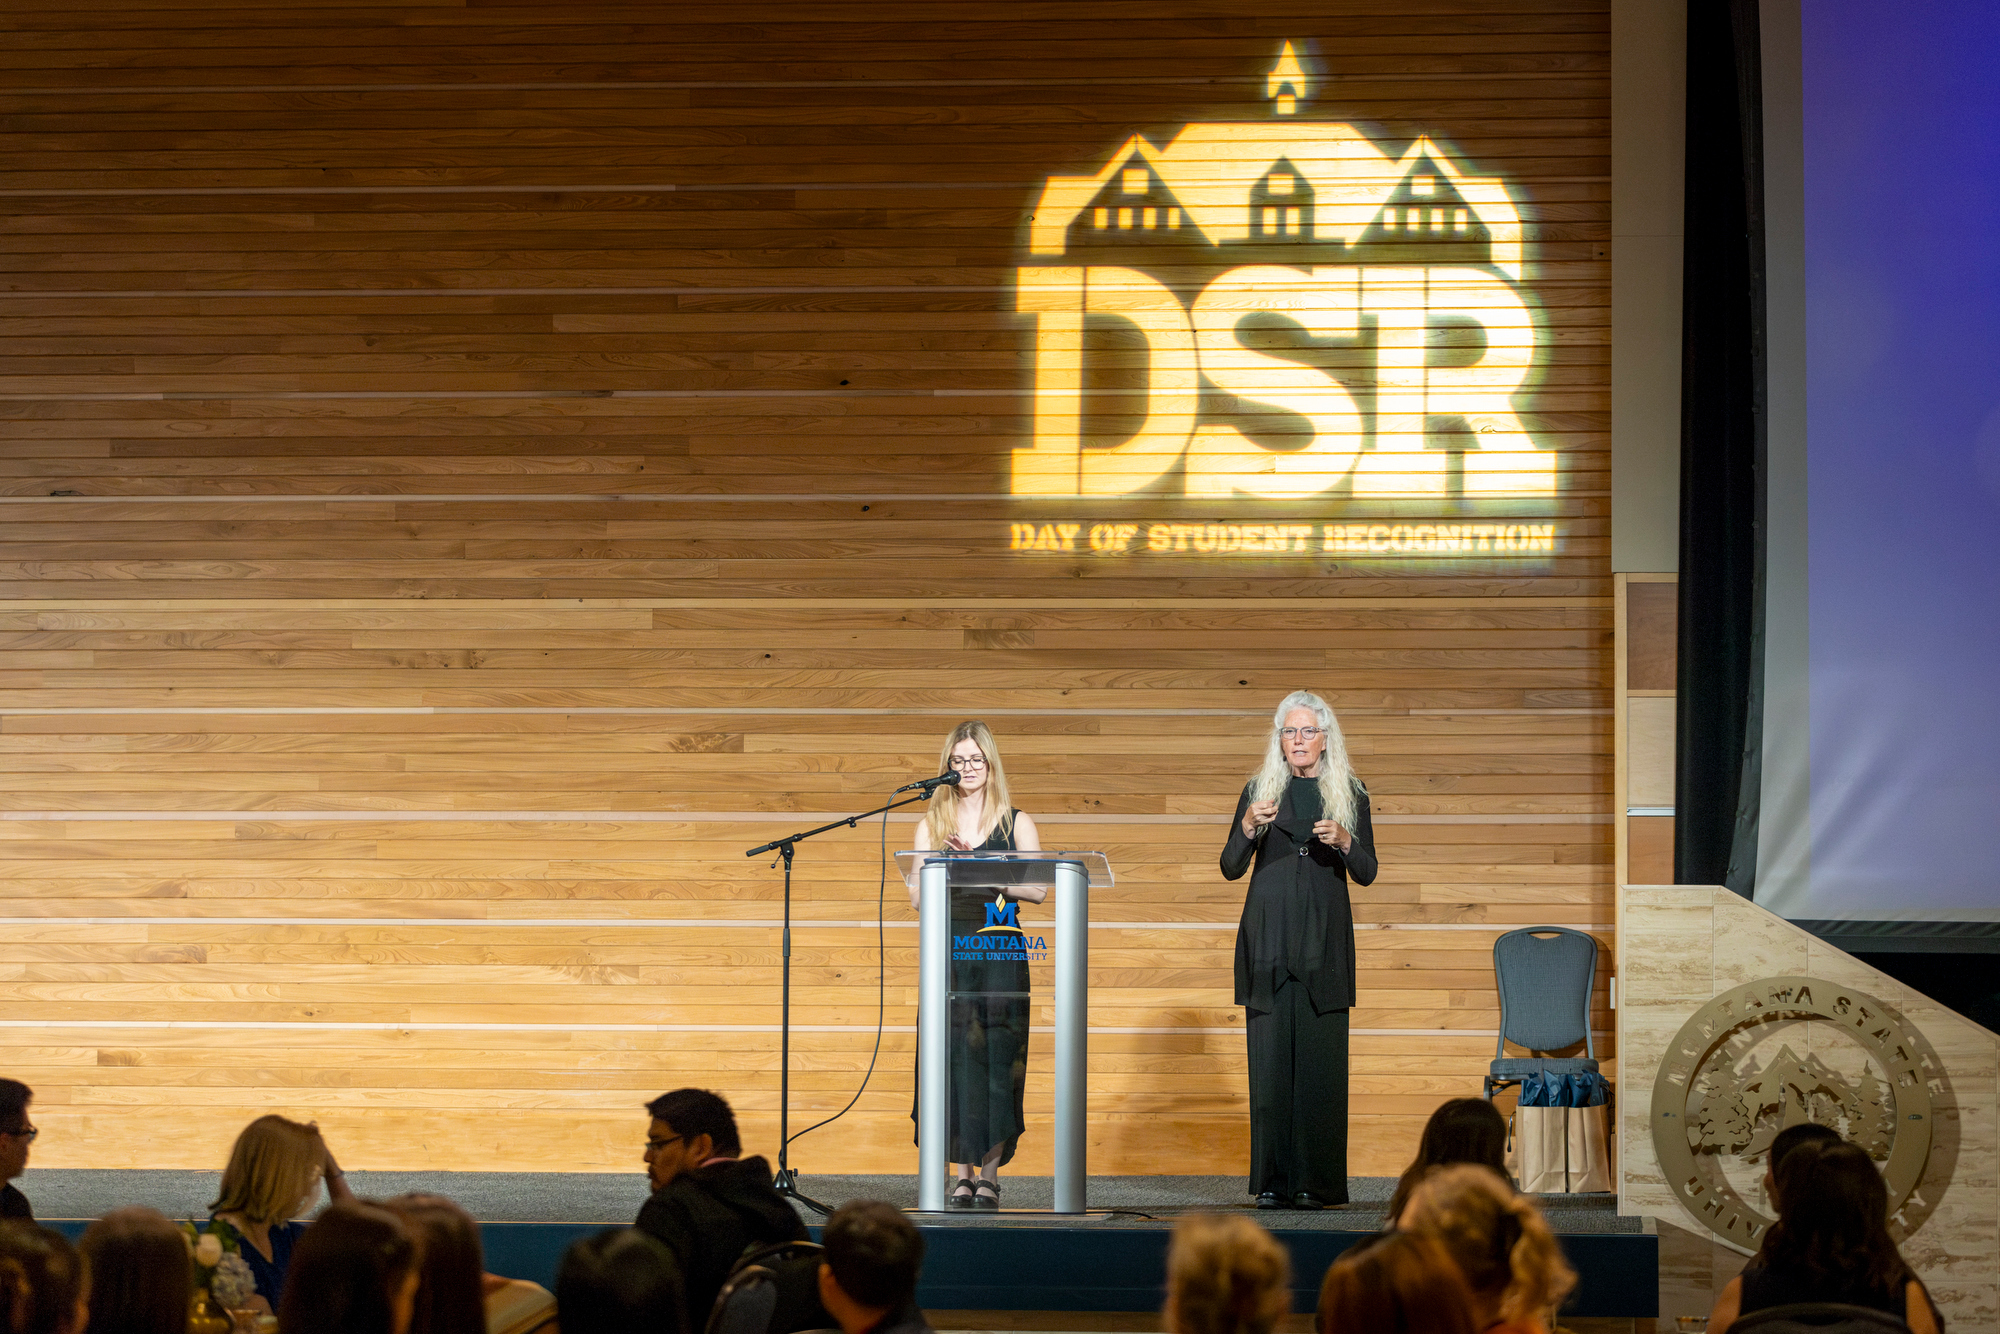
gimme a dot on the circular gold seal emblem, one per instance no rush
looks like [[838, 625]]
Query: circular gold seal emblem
[[1732, 1079]]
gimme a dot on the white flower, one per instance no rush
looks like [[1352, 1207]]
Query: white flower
[[232, 1284], [208, 1250]]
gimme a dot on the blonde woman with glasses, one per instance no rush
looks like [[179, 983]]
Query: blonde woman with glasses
[[1303, 818], [274, 1174], [989, 1007]]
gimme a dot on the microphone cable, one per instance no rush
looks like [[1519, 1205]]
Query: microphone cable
[[881, 986]]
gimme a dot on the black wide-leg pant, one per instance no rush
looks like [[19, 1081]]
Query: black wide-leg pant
[[1298, 1097]]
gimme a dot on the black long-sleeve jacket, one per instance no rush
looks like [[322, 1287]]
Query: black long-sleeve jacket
[[1297, 920]]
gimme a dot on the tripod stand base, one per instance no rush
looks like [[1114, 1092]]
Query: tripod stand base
[[786, 1183]]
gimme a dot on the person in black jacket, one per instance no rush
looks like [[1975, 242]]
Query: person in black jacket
[[15, 1137], [709, 1203], [1304, 818]]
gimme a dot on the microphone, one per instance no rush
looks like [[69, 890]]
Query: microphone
[[928, 784]]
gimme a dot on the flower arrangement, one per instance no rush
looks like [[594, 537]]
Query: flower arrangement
[[219, 1270]]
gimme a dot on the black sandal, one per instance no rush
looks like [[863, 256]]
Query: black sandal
[[985, 1194], [958, 1201]]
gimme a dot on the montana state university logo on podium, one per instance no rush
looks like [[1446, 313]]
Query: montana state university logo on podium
[[1003, 939], [1283, 308], [1003, 914], [1733, 1078]]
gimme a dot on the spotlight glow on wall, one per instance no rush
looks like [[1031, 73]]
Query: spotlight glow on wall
[[1206, 324]]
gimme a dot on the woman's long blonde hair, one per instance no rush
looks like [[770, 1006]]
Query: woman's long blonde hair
[[1496, 1237], [942, 818], [273, 1170], [1226, 1275], [1337, 783]]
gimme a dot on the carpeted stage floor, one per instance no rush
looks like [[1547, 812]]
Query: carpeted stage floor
[[976, 1261], [602, 1197]]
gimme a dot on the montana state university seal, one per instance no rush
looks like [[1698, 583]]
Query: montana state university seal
[[1732, 1079]]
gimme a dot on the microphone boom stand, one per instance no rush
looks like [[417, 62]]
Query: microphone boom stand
[[787, 1180]]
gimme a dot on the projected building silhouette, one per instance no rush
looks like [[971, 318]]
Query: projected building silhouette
[[1367, 253]]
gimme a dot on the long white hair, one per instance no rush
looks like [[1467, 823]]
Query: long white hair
[[1337, 783]]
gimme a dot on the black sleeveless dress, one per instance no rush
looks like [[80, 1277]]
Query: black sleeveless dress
[[990, 1013]]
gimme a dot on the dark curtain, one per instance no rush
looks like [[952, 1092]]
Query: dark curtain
[[1719, 723]]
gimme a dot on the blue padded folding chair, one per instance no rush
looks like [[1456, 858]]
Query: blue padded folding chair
[[773, 1289], [745, 1304], [1545, 974]]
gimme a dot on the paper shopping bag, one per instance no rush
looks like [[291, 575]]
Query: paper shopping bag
[[1587, 1147], [1538, 1160]]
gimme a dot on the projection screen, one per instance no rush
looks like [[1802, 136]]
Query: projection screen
[[1880, 793]]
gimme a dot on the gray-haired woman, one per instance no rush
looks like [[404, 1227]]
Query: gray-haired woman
[[1304, 818]]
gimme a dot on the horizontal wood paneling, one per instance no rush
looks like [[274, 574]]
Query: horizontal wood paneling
[[470, 470], [1654, 634], [1652, 840]]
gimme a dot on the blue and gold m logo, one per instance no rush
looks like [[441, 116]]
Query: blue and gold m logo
[[1003, 915]]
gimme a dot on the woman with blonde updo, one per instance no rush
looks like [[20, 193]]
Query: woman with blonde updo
[[275, 1171], [989, 1032], [1226, 1275], [1499, 1242]]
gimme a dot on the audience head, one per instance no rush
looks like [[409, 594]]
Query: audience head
[[44, 1284], [354, 1271], [274, 1170], [873, 1257], [1806, 1132], [142, 1279], [16, 1134], [690, 1126], [451, 1294], [1833, 1219], [617, 1281], [1498, 1240], [1464, 1130], [1226, 1275], [1397, 1283]]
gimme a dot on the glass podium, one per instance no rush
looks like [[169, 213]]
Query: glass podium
[[990, 960]]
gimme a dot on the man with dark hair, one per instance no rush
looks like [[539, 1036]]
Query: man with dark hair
[[869, 1278], [709, 1202], [16, 1134]]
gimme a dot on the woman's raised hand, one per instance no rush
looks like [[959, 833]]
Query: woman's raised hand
[[1259, 814], [1329, 831]]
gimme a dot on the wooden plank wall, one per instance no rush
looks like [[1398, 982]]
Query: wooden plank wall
[[1648, 635], [470, 470]]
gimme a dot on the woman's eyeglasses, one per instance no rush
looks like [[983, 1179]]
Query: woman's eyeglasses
[[963, 762], [1302, 733]]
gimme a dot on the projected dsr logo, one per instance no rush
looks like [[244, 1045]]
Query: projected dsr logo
[[1279, 309]]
